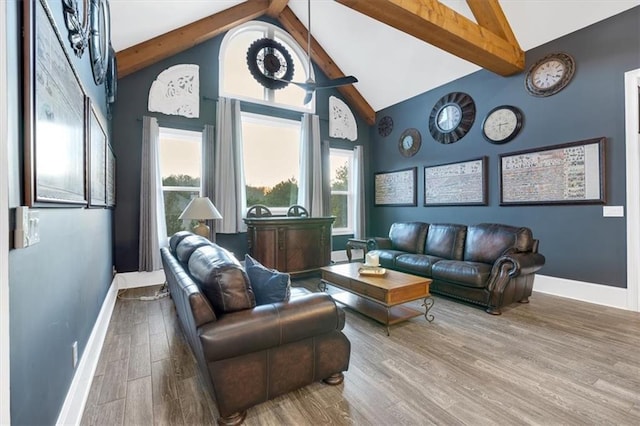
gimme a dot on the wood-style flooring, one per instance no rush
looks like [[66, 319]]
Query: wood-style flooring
[[552, 361]]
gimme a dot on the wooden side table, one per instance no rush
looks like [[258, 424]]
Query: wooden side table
[[355, 243]]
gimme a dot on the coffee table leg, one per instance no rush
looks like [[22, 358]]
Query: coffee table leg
[[387, 323], [322, 286], [428, 304]]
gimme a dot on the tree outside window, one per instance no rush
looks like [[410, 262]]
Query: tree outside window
[[341, 161]]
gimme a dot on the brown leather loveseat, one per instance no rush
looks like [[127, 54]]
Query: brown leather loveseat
[[249, 354], [492, 265]]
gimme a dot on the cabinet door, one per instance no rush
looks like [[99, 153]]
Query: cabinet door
[[264, 247], [306, 248]]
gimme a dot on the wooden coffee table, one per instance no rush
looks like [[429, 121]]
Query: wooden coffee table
[[378, 297]]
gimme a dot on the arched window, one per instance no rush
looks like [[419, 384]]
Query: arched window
[[236, 80]]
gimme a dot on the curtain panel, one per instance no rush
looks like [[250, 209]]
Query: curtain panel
[[310, 194], [208, 178], [359, 222]]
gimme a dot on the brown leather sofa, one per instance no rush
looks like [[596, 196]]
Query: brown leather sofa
[[248, 355], [491, 265]]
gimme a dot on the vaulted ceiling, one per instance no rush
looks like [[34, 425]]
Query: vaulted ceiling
[[396, 48]]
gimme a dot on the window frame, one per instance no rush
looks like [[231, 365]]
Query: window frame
[[349, 153], [270, 31]]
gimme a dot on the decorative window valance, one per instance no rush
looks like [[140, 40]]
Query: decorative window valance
[[176, 91], [342, 123]]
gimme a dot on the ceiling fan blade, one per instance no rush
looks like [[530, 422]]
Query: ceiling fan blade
[[305, 86], [308, 97], [337, 82]]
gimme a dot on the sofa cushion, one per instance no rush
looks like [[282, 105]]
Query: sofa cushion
[[387, 258], [408, 236], [446, 240], [221, 279], [469, 274], [269, 285], [416, 263], [486, 242], [188, 245], [176, 238]]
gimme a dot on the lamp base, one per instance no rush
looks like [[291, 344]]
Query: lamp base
[[201, 229]]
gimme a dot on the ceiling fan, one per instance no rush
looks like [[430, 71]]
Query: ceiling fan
[[310, 86]]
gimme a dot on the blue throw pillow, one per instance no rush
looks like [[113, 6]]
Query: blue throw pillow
[[269, 286]]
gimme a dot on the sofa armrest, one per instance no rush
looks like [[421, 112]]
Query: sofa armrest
[[378, 243], [513, 265], [268, 326]]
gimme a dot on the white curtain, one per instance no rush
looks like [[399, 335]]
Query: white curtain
[[153, 227], [358, 202], [208, 178], [229, 188], [310, 189]]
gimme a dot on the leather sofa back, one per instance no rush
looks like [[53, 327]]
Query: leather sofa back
[[188, 245], [486, 242], [446, 240], [176, 238], [408, 236]]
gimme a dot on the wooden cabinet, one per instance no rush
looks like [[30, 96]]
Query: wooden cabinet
[[290, 244]]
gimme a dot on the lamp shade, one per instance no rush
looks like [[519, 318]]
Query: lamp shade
[[200, 208]]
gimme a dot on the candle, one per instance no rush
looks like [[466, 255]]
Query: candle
[[372, 259]]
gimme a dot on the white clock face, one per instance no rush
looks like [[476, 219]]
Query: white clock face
[[548, 74], [407, 142], [500, 124], [449, 117]]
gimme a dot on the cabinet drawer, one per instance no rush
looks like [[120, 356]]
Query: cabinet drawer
[[367, 290], [336, 279]]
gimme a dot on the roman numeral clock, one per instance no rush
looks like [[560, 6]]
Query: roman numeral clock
[[550, 74]]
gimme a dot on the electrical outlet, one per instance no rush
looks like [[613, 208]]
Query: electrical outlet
[[74, 353]]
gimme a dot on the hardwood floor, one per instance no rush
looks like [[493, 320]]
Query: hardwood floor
[[553, 361]]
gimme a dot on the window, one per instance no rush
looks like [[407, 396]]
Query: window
[[342, 187], [236, 80], [180, 168], [271, 149]]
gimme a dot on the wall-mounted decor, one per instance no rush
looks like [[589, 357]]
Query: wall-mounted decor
[[502, 124], [54, 149], [571, 173], [76, 17], [99, 39], [460, 183], [176, 91], [409, 142], [342, 123], [550, 74], [97, 158], [270, 63], [111, 177], [385, 126], [452, 117], [396, 188]]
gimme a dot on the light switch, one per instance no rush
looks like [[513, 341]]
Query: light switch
[[613, 211]]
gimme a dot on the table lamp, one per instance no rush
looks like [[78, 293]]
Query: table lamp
[[201, 209]]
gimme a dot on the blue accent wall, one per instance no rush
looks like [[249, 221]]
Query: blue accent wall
[[577, 241], [127, 130], [57, 286]]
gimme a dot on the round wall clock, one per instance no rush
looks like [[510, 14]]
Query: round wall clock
[[550, 74], [99, 39], [270, 63], [76, 17], [452, 117], [385, 126], [502, 124], [409, 142]]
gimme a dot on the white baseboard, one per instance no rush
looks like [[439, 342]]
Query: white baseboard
[[599, 294], [139, 279], [74, 403]]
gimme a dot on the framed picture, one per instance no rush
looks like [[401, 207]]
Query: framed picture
[[571, 173], [396, 188], [460, 183], [111, 177], [54, 115], [97, 158]]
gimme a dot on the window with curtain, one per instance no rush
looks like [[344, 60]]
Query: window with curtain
[[181, 169], [342, 190], [237, 82], [271, 148]]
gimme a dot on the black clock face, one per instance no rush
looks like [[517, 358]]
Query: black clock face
[[385, 126], [270, 63], [452, 117]]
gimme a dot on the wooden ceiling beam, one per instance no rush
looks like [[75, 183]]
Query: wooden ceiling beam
[[298, 31], [276, 7], [489, 15], [436, 24], [151, 51]]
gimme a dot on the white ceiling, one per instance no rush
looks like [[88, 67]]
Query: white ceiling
[[391, 66]]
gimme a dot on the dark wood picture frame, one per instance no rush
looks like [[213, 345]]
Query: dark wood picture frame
[[111, 177], [570, 173], [396, 188], [460, 183], [97, 158], [54, 115]]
